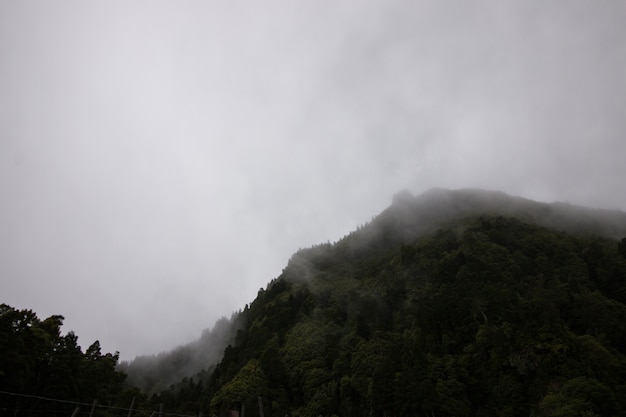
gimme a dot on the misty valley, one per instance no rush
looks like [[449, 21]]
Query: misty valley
[[449, 303]]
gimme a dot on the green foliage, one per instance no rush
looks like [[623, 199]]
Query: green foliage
[[36, 360], [247, 385], [580, 396], [489, 316]]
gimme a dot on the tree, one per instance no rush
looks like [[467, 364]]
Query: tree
[[580, 396], [243, 389], [35, 359]]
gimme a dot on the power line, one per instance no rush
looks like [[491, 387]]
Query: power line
[[77, 403]]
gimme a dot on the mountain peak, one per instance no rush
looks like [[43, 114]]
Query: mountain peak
[[413, 215]]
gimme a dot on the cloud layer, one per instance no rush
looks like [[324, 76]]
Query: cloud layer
[[159, 161]]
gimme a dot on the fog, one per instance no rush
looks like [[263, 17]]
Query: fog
[[161, 161]]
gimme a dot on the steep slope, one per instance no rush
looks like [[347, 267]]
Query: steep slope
[[451, 303]]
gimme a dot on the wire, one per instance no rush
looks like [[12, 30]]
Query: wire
[[134, 410]]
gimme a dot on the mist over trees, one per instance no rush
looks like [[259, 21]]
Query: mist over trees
[[155, 373], [451, 303], [465, 303], [493, 317]]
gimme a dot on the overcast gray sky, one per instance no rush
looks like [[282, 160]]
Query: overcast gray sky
[[161, 160]]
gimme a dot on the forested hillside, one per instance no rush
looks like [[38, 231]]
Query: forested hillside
[[491, 316], [448, 304]]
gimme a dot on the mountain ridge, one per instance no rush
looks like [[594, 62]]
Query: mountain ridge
[[468, 202]]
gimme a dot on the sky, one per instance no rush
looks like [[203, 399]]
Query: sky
[[160, 161]]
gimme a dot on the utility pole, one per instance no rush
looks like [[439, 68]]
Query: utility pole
[[132, 404], [260, 406], [93, 408]]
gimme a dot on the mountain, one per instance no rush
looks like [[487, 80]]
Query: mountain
[[450, 303]]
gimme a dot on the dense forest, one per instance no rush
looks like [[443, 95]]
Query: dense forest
[[452, 304], [492, 317]]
